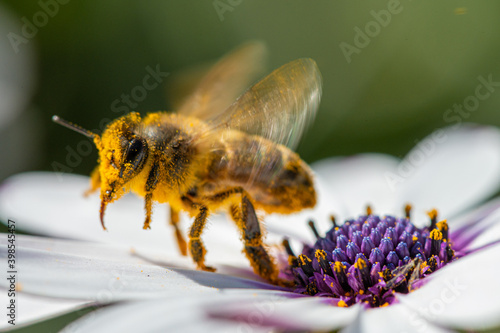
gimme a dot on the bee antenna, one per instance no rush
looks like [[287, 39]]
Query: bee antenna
[[74, 127]]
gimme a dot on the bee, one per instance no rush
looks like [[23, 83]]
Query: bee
[[217, 152]]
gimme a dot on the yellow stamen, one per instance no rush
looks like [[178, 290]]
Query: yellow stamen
[[442, 225], [342, 304], [432, 213], [304, 259], [408, 210], [436, 235], [320, 254], [338, 267], [360, 264], [369, 210]]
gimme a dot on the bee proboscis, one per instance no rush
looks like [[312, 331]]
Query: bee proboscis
[[216, 153]]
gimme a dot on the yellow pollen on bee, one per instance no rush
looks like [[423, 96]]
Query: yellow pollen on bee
[[342, 304], [436, 235]]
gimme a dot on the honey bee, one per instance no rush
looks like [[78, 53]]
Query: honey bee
[[216, 155]]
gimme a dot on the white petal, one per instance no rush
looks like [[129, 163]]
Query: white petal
[[51, 204], [360, 180], [486, 231], [248, 311], [395, 318], [30, 309], [451, 170], [463, 294], [102, 273], [182, 314], [474, 216], [297, 314]]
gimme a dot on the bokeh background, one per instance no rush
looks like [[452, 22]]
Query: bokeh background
[[392, 90]]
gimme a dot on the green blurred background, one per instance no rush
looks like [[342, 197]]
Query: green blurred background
[[392, 92]]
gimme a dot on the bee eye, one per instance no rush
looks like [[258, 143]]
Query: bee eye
[[135, 155], [134, 150]]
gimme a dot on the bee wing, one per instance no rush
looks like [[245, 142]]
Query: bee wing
[[279, 107], [225, 81]]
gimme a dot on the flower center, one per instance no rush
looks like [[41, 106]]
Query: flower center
[[369, 259]]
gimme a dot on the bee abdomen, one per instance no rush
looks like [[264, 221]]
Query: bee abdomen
[[276, 178]]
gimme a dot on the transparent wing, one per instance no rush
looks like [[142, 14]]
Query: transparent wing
[[225, 81], [279, 107]]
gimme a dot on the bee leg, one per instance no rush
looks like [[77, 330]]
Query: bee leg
[[151, 183], [95, 182], [148, 206], [174, 221], [196, 247], [249, 225]]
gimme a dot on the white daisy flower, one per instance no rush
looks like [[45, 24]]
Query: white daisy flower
[[370, 275]]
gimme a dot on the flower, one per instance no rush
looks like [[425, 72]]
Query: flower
[[152, 287]]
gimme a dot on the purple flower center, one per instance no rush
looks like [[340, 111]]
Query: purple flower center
[[369, 259]]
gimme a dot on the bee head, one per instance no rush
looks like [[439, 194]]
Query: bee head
[[122, 155]]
